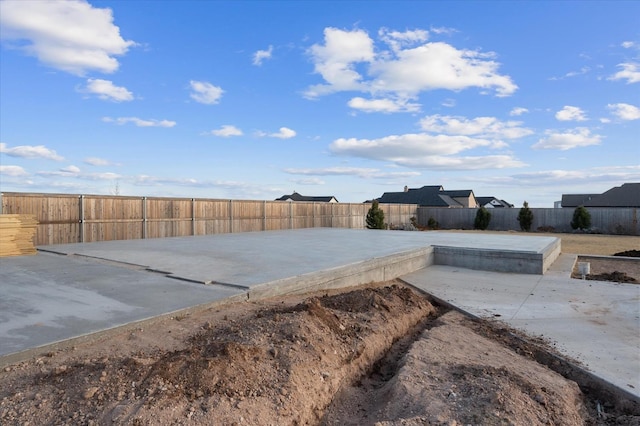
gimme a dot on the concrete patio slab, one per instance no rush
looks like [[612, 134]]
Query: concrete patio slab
[[596, 323], [48, 298], [253, 258]]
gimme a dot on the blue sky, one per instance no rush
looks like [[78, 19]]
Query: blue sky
[[256, 99]]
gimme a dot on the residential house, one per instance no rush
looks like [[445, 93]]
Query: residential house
[[431, 196], [297, 197], [492, 203], [627, 195]]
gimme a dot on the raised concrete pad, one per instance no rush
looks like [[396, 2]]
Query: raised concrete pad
[[85, 288], [596, 323], [254, 258]]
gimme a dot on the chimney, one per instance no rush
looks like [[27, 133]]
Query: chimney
[[406, 188]]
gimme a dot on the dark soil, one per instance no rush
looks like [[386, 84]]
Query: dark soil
[[615, 276], [628, 253]]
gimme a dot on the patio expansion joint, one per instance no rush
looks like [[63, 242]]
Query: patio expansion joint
[[531, 293]]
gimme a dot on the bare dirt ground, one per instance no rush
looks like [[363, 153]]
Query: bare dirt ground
[[379, 354]]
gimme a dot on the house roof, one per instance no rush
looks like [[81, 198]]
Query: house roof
[[432, 196], [483, 201], [627, 195], [458, 193], [575, 200], [297, 197]]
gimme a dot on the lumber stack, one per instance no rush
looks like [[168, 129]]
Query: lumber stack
[[17, 232]]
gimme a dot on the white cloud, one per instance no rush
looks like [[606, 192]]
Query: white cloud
[[13, 171], [582, 71], [106, 90], [611, 174], [424, 150], [366, 173], [396, 147], [139, 122], [284, 133], [101, 176], [579, 137], [226, 131], [439, 65], [383, 105], [71, 170], [518, 111], [94, 161], [625, 111], [630, 72], [29, 151], [570, 113], [628, 44], [233, 186], [443, 30], [335, 60], [464, 163], [205, 93], [403, 72], [72, 36], [74, 172], [261, 55], [308, 181], [397, 40], [449, 103], [483, 127]]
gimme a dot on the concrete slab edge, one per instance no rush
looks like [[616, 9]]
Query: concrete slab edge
[[16, 357], [373, 270], [597, 386], [490, 260]]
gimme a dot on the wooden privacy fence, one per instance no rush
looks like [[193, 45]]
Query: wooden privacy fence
[[607, 220], [72, 218]]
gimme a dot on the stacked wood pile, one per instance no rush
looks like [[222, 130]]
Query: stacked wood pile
[[17, 232]]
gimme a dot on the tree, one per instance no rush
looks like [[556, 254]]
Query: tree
[[375, 217], [483, 217], [581, 218], [525, 217]]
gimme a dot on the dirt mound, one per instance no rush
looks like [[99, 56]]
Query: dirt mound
[[628, 253], [453, 375], [295, 361]]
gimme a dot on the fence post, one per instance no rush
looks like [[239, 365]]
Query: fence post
[[231, 216], [193, 216], [291, 215], [81, 206], [144, 217]]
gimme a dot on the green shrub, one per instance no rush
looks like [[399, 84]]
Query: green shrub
[[433, 224], [581, 218], [525, 217], [483, 217], [375, 217]]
